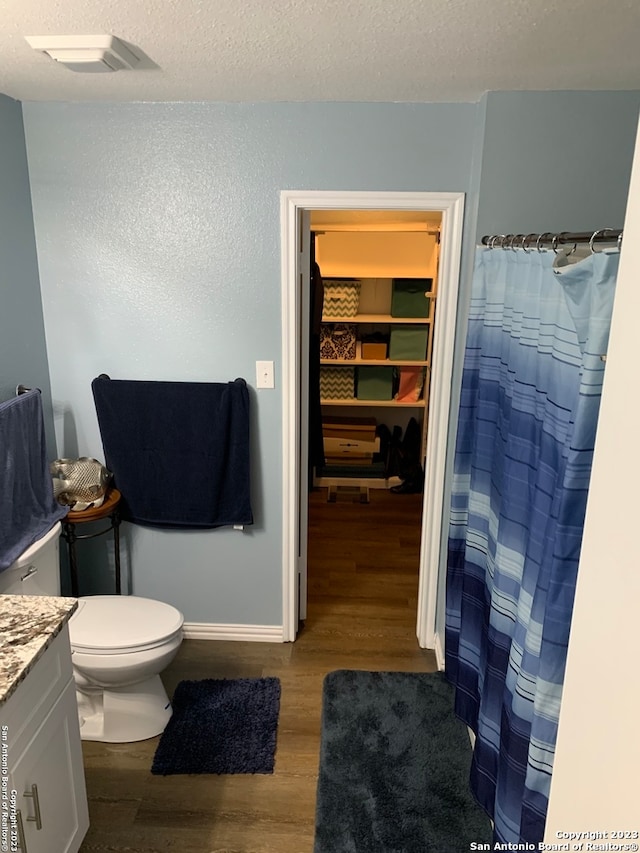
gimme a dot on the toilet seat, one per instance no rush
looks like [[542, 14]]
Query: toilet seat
[[114, 624]]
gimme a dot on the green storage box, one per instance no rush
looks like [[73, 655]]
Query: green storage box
[[375, 383], [408, 343], [409, 297]]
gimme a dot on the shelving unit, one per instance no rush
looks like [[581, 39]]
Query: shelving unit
[[385, 320], [375, 259]]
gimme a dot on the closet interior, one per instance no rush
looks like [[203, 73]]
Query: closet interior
[[374, 282]]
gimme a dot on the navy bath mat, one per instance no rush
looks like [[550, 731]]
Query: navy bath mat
[[221, 726]]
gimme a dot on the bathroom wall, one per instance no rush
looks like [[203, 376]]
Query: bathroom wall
[[556, 161], [549, 161], [595, 772], [158, 232], [23, 353], [157, 228]]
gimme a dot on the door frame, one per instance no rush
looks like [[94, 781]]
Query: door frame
[[292, 205]]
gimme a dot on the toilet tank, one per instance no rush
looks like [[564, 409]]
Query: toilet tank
[[37, 570]]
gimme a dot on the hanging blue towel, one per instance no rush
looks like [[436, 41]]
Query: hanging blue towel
[[179, 451], [28, 508]]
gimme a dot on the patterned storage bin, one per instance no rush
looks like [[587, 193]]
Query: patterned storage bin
[[337, 340], [408, 342], [409, 297], [341, 297], [337, 383]]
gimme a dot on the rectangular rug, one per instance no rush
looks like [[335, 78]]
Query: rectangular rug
[[394, 767], [221, 726]]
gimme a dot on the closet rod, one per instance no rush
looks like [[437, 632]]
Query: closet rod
[[548, 238]]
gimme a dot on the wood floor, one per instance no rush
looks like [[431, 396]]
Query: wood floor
[[363, 580]]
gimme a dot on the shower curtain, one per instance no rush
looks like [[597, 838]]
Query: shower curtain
[[530, 397]]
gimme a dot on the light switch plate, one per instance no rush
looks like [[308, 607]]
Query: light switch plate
[[264, 374]]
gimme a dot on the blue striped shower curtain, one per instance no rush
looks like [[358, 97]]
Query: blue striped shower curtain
[[530, 397]]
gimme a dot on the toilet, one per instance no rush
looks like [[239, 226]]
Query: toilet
[[119, 647]]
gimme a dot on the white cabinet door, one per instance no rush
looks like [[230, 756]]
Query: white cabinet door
[[49, 781]]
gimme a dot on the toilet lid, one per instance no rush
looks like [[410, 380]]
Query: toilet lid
[[121, 622]]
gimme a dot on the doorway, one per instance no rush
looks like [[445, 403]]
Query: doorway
[[296, 208]]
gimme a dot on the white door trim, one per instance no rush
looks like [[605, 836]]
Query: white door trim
[[452, 207]]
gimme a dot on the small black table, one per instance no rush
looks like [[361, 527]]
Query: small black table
[[109, 509]]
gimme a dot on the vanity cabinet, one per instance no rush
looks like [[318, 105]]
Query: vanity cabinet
[[45, 769]]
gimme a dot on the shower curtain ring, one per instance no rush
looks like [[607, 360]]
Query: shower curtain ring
[[620, 241], [503, 242], [557, 239], [541, 239], [575, 245], [525, 242], [594, 236]]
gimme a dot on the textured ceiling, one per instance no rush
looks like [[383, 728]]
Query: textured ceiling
[[326, 50]]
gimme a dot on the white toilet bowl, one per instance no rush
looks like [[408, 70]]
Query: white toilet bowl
[[119, 646]]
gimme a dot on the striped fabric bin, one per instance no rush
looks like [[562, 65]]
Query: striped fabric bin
[[341, 297], [337, 383]]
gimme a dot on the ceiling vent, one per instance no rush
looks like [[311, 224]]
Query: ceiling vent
[[89, 54]]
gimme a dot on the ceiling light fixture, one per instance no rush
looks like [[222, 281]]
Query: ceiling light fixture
[[85, 53]]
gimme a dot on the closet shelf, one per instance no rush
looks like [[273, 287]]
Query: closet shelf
[[378, 318], [384, 362], [418, 404]]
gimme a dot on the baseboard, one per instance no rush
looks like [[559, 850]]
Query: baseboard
[[439, 652], [251, 633]]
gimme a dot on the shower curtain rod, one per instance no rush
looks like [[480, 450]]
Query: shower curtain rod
[[548, 238]]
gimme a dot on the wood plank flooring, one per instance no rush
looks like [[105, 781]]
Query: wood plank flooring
[[363, 580]]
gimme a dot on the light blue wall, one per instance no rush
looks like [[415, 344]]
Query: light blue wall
[[556, 161], [157, 228], [158, 231], [550, 161], [23, 354]]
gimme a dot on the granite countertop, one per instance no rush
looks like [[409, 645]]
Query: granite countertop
[[28, 624]]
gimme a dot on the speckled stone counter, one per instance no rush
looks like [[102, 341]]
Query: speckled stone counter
[[28, 624]]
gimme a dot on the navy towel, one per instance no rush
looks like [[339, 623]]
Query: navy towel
[[28, 508], [179, 451]]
